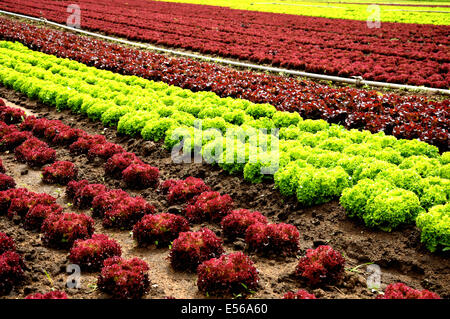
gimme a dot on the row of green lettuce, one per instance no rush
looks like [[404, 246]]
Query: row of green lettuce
[[384, 181]]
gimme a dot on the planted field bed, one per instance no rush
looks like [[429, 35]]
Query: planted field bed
[[313, 161], [128, 174], [45, 257], [425, 12], [406, 117], [398, 53]]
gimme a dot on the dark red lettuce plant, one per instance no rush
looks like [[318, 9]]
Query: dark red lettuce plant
[[159, 229], [60, 172], [62, 230], [236, 222], [192, 248], [209, 206], [320, 266], [124, 278], [90, 253], [233, 273]]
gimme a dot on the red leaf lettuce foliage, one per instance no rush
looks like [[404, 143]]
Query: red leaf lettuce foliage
[[124, 278], [402, 291], [11, 271], [321, 266], [192, 248], [159, 229], [229, 274], [185, 190], [236, 223], [55, 294], [209, 206], [62, 230], [281, 239], [90, 253], [60, 172], [139, 176], [299, 294]]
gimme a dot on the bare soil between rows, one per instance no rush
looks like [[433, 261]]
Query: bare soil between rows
[[400, 254]]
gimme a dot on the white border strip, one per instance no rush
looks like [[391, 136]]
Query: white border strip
[[356, 81]]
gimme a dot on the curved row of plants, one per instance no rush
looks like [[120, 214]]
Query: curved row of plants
[[402, 53], [384, 181], [408, 117]]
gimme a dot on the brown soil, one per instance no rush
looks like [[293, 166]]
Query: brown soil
[[400, 254]]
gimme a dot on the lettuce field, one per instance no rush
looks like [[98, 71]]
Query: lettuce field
[[400, 53], [129, 173]]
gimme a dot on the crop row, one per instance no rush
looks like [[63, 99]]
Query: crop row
[[404, 117], [350, 48], [312, 160], [189, 250], [389, 12], [403, 3]]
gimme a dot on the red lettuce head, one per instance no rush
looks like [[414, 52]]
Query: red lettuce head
[[192, 248], [209, 206], [60, 172], [124, 278], [90, 253], [229, 274], [62, 230], [277, 238], [159, 229], [320, 266], [236, 223], [402, 291]]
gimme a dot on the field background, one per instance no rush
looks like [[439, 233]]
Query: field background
[[408, 12]]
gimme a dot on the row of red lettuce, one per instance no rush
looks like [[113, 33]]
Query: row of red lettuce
[[408, 117]]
